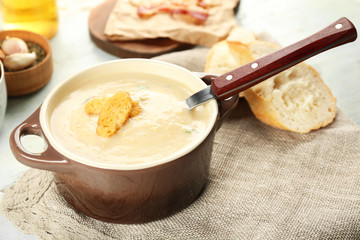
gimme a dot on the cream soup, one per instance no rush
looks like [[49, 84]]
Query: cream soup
[[164, 126]]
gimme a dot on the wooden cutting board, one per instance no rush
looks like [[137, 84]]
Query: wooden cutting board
[[126, 49]]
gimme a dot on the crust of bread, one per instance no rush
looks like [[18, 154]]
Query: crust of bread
[[241, 35], [220, 58], [228, 54]]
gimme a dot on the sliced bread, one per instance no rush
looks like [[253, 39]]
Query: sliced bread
[[296, 99]]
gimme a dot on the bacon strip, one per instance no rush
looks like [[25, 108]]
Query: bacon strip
[[195, 9]]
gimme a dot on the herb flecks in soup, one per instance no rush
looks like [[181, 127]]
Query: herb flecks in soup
[[113, 112], [164, 128]]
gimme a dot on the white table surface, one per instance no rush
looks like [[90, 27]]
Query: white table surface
[[287, 21]]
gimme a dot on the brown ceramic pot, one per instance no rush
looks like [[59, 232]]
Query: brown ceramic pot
[[138, 194]]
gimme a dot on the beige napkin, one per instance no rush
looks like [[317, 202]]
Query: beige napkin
[[264, 183], [124, 24]]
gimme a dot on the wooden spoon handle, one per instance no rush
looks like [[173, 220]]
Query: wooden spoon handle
[[231, 83]]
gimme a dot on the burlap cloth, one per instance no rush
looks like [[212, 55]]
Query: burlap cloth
[[264, 183]]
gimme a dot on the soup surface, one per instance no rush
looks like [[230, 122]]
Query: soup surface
[[164, 127]]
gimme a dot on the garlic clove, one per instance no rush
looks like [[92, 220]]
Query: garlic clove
[[18, 61], [13, 45]]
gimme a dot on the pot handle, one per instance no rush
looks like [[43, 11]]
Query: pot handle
[[226, 105], [50, 159]]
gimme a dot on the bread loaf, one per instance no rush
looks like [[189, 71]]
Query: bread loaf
[[296, 99]]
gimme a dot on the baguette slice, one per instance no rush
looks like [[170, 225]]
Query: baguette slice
[[221, 59], [295, 100], [225, 55]]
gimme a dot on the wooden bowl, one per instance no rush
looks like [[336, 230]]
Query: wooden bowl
[[31, 79]]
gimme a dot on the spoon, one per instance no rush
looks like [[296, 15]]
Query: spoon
[[224, 86]]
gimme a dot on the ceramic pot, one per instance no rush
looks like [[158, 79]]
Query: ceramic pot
[[136, 194]]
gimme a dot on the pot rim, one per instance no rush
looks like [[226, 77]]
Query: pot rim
[[45, 125]]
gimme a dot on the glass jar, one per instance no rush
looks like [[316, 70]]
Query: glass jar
[[38, 16]]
